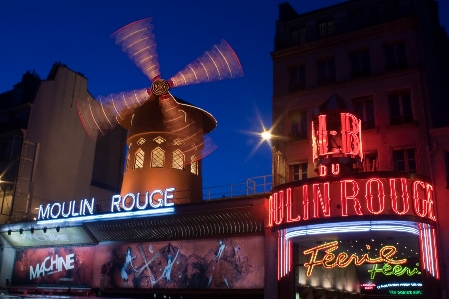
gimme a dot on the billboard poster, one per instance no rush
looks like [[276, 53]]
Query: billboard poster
[[54, 266], [228, 263], [66, 236]]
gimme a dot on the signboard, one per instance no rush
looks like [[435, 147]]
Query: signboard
[[229, 263], [155, 202], [373, 266], [386, 279], [66, 236], [367, 194], [53, 266]]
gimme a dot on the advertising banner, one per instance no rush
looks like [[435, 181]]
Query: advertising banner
[[66, 236], [54, 266], [229, 263]]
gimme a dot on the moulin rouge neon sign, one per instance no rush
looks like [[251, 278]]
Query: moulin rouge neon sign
[[120, 206], [351, 197], [342, 260]]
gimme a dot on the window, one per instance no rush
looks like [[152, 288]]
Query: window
[[360, 64], [128, 158], [370, 162], [298, 35], [326, 27], [157, 157], [141, 141], [178, 160], [400, 108], [158, 139], [395, 56], [280, 169], [298, 124], [139, 157], [404, 160], [299, 171], [297, 77], [326, 71], [364, 110], [193, 165]]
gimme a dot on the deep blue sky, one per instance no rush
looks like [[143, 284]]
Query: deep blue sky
[[35, 34]]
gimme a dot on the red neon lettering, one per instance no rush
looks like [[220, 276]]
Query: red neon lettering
[[314, 144], [345, 197], [394, 197], [322, 135], [350, 134], [380, 196], [278, 200], [270, 211], [335, 169], [322, 170], [429, 197], [290, 207], [342, 260], [318, 198], [419, 202], [305, 202]]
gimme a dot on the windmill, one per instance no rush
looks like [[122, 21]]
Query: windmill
[[168, 129]]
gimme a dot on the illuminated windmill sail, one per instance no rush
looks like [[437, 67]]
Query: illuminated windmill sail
[[160, 126], [138, 41]]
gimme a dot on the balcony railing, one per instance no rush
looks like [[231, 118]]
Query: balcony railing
[[374, 15]]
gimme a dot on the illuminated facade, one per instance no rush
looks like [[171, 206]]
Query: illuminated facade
[[154, 236], [46, 156], [359, 107]]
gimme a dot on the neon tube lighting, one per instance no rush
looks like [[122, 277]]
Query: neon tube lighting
[[109, 216]]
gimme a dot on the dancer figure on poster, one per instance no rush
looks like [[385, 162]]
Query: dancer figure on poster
[[167, 269], [128, 262], [220, 250], [218, 267]]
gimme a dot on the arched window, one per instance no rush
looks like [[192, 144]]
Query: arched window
[[139, 157], [127, 161], [178, 160], [193, 165], [157, 157]]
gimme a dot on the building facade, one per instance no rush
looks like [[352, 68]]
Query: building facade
[[46, 155], [381, 62]]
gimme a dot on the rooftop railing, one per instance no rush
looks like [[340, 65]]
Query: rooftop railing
[[252, 187]]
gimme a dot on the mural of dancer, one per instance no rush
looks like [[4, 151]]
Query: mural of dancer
[[125, 269], [216, 264]]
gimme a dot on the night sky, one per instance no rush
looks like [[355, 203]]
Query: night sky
[[36, 34]]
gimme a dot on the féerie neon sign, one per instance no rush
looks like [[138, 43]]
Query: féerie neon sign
[[396, 270], [128, 205], [382, 195], [342, 260]]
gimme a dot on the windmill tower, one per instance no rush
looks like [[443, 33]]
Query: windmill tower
[[166, 136]]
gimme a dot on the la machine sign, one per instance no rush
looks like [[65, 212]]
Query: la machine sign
[[155, 202], [363, 194]]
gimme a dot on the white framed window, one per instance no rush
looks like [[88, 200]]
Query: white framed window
[[139, 158], [299, 171], [157, 157], [178, 160]]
